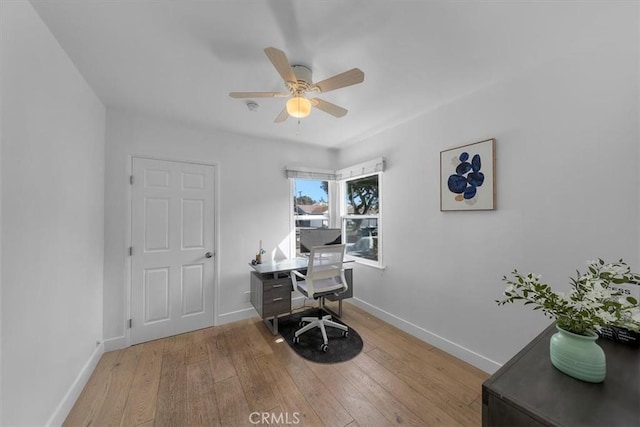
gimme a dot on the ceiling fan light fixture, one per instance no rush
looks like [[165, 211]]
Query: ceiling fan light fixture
[[298, 107]]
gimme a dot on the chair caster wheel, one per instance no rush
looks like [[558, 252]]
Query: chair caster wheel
[[345, 334], [296, 340], [324, 348]]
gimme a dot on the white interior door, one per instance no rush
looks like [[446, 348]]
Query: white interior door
[[172, 271]]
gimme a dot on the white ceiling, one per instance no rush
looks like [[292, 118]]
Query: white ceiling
[[179, 59]]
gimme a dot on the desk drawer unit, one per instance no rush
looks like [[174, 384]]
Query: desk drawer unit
[[270, 296]]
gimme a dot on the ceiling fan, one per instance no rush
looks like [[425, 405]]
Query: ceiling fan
[[297, 79]]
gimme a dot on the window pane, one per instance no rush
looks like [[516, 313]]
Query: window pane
[[361, 237], [362, 196], [310, 205]]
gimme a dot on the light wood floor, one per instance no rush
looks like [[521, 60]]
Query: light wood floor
[[219, 376]]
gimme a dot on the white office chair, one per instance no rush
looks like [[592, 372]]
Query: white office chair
[[325, 276]]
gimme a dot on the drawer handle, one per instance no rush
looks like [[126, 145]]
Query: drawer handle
[[278, 299], [278, 286]]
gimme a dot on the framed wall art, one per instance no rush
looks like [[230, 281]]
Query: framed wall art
[[467, 177]]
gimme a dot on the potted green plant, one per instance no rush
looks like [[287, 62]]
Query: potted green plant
[[591, 304]]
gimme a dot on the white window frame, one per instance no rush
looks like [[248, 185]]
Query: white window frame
[[333, 211], [345, 216], [337, 200]]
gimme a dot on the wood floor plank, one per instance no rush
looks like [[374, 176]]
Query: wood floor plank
[[246, 339], [219, 356], [423, 373], [119, 386], [90, 401], [391, 408], [256, 388], [362, 410], [141, 405], [429, 385], [196, 348], [467, 373], [290, 398], [232, 405], [318, 395], [202, 408], [431, 413], [172, 391]]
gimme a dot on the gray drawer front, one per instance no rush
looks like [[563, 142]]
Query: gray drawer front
[[275, 305], [277, 286]]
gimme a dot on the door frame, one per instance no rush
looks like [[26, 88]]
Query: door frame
[[128, 270]]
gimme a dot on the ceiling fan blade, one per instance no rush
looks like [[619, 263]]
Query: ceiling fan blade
[[348, 78], [258, 94], [281, 64], [282, 116], [327, 107]]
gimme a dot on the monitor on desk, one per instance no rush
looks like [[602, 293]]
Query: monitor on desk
[[310, 237]]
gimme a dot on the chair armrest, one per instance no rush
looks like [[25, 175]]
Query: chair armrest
[[297, 273]]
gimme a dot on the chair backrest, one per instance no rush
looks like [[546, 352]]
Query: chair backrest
[[325, 262]]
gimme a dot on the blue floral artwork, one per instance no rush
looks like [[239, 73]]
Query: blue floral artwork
[[467, 177]]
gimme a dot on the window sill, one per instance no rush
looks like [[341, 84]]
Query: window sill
[[369, 264]]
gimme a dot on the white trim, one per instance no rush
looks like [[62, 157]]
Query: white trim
[[116, 343], [69, 399], [361, 169], [313, 217], [234, 316], [334, 204], [216, 242], [128, 265], [1, 381], [343, 215], [310, 173], [292, 218], [330, 215], [368, 263], [463, 353]]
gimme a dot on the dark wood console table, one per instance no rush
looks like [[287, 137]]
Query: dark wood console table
[[529, 391]]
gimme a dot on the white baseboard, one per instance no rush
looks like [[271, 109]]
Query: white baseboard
[[70, 397], [116, 343], [234, 316], [469, 356]]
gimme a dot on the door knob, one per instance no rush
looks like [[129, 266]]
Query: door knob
[[208, 255]]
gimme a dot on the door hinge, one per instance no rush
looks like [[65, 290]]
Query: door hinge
[[130, 250], [130, 323], [131, 179]]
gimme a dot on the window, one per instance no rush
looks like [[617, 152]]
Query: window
[[310, 205], [349, 199], [361, 217]]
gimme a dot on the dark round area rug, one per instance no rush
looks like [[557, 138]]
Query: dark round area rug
[[341, 349]]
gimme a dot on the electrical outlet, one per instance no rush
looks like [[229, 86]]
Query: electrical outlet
[[247, 296]]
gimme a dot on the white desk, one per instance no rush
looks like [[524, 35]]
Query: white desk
[[271, 288], [283, 266]]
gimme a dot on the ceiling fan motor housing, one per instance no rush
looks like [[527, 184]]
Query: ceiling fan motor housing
[[305, 83]]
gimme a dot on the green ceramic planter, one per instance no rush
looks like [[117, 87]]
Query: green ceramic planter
[[578, 356]]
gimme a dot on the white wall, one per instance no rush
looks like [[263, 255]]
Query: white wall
[[567, 177], [253, 203], [52, 222]]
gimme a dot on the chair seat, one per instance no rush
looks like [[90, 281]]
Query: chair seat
[[321, 287]]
